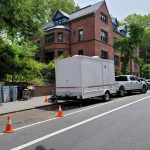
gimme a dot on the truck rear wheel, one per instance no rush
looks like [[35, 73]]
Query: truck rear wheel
[[106, 97], [121, 91]]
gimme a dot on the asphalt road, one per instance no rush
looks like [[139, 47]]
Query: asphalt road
[[121, 124]]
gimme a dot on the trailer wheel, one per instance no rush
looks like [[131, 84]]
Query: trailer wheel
[[53, 99], [106, 97], [121, 91]]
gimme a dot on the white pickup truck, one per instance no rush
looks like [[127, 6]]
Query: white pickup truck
[[129, 83]]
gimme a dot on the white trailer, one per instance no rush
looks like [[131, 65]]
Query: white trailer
[[81, 77]]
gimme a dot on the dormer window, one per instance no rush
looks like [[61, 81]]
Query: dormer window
[[60, 17], [104, 17]]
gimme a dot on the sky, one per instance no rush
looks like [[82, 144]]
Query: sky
[[121, 8]]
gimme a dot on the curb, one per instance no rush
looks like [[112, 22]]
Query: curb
[[24, 109], [31, 108]]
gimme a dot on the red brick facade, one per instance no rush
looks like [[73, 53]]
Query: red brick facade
[[91, 45]]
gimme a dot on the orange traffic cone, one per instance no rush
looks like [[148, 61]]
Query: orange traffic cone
[[60, 113], [46, 100], [9, 128]]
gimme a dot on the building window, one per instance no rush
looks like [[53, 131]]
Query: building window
[[80, 35], [49, 38], [80, 52], [104, 55], [60, 37], [60, 53], [104, 17], [104, 37], [116, 60]]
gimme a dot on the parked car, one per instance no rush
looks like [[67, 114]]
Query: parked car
[[129, 83], [145, 81], [148, 83]]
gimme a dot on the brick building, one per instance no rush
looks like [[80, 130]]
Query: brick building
[[89, 31]]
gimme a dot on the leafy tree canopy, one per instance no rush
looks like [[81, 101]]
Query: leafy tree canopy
[[16, 61], [143, 21], [23, 17], [146, 71], [67, 6], [128, 45], [26, 17]]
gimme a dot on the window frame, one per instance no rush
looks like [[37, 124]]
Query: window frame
[[103, 56], [48, 39], [81, 37], [80, 52], [103, 38], [117, 56], [104, 17], [60, 40]]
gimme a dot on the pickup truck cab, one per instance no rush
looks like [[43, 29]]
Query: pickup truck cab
[[129, 83]]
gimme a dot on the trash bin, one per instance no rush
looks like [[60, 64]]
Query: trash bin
[[1, 98], [13, 93], [6, 94], [20, 89]]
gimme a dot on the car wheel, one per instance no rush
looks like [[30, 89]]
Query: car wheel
[[144, 89], [106, 97], [121, 91]]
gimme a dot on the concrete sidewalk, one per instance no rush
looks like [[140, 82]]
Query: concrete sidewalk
[[10, 107]]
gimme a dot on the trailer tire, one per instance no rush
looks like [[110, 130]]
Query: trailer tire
[[106, 97], [121, 91], [53, 99]]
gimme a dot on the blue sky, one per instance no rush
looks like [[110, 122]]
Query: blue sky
[[121, 8]]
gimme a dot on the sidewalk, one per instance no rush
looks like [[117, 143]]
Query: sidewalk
[[10, 107]]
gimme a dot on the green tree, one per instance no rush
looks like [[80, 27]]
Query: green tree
[[67, 6], [146, 71], [143, 21], [16, 62], [48, 70], [23, 17], [128, 45]]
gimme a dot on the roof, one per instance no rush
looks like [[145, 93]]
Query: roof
[[58, 27], [86, 10], [48, 25], [123, 27], [77, 14], [115, 21], [65, 14]]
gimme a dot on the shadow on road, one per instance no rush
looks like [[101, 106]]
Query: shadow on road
[[40, 147], [70, 105]]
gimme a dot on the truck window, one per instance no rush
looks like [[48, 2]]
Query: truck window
[[121, 78], [136, 78], [132, 78]]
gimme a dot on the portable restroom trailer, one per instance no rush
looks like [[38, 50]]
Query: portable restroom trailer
[[81, 77]]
